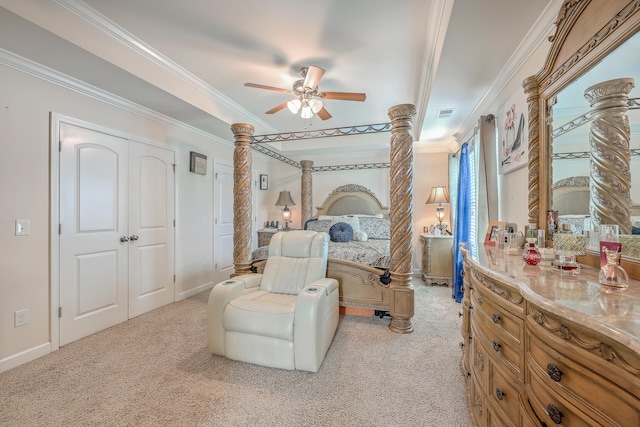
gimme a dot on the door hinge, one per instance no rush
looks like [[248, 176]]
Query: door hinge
[[59, 229], [60, 145], [215, 221], [174, 223], [59, 312], [215, 267], [174, 278], [215, 175], [174, 167]]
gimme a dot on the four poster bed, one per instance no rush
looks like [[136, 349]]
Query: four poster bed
[[382, 289], [360, 266]]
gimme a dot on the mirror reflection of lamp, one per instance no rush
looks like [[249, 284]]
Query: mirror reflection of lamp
[[284, 199], [439, 195]]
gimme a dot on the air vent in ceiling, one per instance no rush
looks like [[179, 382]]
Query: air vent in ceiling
[[444, 113]]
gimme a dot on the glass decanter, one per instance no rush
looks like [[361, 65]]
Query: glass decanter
[[612, 274], [531, 255]]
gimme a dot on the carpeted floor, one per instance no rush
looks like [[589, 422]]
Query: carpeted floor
[[155, 370]]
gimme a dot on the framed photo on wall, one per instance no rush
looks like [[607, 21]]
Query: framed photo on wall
[[264, 181], [198, 163], [513, 133]]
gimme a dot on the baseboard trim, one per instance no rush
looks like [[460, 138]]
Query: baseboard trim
[[194, 291], [24, 357]]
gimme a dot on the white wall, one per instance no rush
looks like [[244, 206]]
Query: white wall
[[27, 102]]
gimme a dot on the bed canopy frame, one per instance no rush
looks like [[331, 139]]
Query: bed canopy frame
[[361, 286]]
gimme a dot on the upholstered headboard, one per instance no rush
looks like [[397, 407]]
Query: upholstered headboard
[[352, 199]]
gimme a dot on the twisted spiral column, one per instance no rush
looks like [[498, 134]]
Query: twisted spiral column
[[306, 186], [401, 213], [532, 90], [242, 198], [610, 182]]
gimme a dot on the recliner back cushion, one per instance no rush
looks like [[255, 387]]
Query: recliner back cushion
[[296, 258]]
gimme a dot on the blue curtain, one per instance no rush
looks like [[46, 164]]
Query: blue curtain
[[463, 221]]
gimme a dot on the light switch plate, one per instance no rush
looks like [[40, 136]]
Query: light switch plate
[[23, 227]]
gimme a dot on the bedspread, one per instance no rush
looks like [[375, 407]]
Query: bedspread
[[373, 252]]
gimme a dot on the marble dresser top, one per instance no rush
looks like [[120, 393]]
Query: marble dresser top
[[576, 297]]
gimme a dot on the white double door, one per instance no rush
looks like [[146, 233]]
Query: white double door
[[116, 230]]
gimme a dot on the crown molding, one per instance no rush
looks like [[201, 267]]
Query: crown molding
[[438, 22], [27, 66], [538, 33], [108, 27]]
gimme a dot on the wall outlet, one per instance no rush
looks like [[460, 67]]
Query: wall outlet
[[21, 317]]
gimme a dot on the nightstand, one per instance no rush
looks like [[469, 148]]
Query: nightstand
[[437, 259], [265, 235]]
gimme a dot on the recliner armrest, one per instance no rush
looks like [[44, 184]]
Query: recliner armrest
[[327, 283]]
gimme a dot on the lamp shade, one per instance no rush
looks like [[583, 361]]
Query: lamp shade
[[284, 199], [439, 194]]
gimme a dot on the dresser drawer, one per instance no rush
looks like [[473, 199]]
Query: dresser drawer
[[564, 375], [506, 321], [507, 297], [551, 408], [504, 393], [499, 345]]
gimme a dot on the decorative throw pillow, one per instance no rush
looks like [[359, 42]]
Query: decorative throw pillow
[[353, 221], [360, 236], [341, 232]]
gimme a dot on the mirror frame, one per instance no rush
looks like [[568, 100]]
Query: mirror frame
[[575, 48]]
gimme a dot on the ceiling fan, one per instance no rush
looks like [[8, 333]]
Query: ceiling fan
[[307, 98]]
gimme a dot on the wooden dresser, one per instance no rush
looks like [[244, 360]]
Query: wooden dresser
[[543, 348], [437, 259]]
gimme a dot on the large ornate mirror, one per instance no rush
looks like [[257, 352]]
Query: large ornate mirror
[[589, 36]]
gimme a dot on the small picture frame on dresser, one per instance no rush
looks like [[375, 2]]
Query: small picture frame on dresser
[[491, 238]]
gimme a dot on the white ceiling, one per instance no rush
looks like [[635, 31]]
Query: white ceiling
[[189, 59]]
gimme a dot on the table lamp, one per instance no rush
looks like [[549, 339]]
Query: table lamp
[[439, 195], [284, 199]]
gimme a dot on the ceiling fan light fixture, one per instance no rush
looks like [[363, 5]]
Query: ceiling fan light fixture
[[316, 105], [294, 105], [306, 112]]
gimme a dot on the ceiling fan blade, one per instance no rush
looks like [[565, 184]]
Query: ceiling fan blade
[[277, 89], [344, 96], [323, 114], [278, 108], [314, 74]]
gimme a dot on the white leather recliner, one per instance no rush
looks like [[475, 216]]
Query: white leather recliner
[[283, 318]]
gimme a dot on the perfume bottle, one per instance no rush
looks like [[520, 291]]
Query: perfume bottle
[[612, 274], [531, 255]]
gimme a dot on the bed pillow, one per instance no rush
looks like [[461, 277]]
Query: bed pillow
[[353, 221], [360, 236], [376, 228], [318, 225], [341, 232]]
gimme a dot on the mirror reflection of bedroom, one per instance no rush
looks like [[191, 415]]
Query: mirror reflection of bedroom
[[572, 157]]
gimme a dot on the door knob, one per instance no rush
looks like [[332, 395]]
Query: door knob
[[133, 237], [124, 239]]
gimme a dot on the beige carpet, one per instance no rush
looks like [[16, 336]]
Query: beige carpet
[[155, 370]]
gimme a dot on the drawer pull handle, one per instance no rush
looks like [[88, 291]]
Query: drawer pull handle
[[496, 345], [496, 318], [459, 314], [554, 414], [554, 372], [499, 393]]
